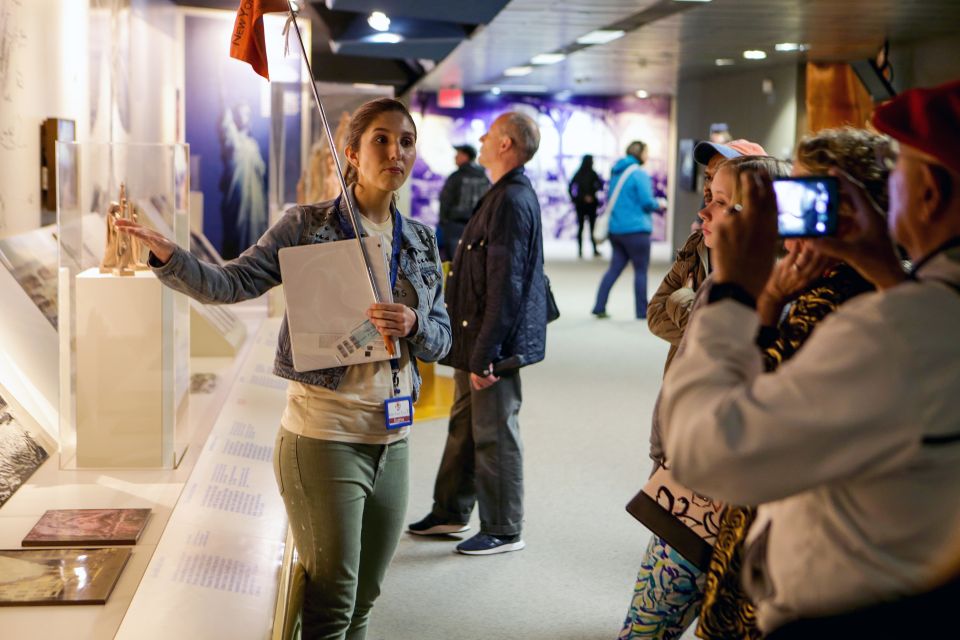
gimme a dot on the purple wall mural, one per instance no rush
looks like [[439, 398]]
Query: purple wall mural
[[599, 125]]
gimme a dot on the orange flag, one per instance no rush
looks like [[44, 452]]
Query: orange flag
[[246, 41]]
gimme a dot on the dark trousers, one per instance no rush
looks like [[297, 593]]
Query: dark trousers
[[635, 248], [483, 458], [586, 213]]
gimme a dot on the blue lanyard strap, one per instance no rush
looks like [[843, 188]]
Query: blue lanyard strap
[[347, 229]]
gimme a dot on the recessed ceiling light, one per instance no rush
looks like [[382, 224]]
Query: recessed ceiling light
[[378, 20], [754, 54], [601, 36], [642, 94], [518, 71], [787, 46], [724, 62], [495, 91], [385, 38], [547, 58]]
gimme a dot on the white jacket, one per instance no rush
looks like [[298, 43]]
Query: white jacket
[[852, 447]]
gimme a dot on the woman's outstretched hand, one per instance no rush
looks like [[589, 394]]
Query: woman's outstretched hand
[[159, 246], [392, 319]]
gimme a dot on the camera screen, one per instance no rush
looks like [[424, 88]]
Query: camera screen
[[807, 206]]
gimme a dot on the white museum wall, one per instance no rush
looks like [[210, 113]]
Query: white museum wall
[[43, 74], [737, 98]]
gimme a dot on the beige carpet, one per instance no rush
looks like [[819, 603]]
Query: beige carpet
[[585, 424]]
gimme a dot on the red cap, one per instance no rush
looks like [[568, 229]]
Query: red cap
[[926, 119]]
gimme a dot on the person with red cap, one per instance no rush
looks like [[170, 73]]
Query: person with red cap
[[853, 449]]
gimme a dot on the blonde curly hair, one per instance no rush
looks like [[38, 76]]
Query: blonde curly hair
[[855, 151]]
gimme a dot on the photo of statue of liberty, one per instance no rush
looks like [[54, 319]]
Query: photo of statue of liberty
[[244, 205]]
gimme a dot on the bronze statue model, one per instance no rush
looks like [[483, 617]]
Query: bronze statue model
[[123, 253]]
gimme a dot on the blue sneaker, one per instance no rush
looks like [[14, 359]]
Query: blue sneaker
[[434, 526], [484, 544]]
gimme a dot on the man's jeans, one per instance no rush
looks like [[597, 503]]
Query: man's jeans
[[483, 458]]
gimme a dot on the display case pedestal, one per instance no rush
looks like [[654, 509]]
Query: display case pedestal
[[126, 405]]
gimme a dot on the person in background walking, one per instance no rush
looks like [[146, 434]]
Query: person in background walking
[[630, 205], [583, 190]]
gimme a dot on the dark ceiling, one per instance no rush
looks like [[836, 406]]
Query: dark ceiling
[[469, 45]]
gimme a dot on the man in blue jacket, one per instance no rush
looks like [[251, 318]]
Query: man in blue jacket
[[496, 298], [629, 205]]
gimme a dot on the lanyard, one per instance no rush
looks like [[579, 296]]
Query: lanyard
[[394, 271]]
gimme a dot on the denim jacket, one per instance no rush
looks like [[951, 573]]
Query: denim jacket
[[257, 270]]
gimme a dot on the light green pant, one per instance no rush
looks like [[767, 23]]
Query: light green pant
[[346, 505]]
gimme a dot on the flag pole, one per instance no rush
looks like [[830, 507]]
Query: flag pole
[[353, 215]]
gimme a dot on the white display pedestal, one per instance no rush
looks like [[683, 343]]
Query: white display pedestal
[[126, 367]]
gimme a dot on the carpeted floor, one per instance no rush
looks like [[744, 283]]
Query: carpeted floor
[[585, 423]]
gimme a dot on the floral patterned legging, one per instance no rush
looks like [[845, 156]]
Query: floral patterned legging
[[666, 597]]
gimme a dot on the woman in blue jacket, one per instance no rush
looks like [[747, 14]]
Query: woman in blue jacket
[[630, 204]]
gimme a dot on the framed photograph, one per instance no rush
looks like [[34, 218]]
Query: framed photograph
[[59, 576], [20, 453], [64, 527]]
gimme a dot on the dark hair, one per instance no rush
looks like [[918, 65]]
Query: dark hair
[[853, 150], [636, 149], [361, 120]]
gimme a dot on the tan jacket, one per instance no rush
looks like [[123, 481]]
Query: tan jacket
[[669, 309]]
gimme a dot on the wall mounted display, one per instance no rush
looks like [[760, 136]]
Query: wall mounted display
[[59, 576], [602, 126], [20, 453], [31, 258], [124, 367], [227, 115], [100, 527]]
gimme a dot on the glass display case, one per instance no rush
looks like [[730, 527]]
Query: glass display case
[[124, 337]]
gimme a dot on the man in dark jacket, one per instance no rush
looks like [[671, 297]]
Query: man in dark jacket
[[460, 194], [496, 297]]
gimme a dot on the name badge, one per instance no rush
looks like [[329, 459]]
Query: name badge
[[398, 412]]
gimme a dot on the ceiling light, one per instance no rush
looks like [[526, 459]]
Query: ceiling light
[[754, 54], [724, 62], [524, 88], [365, 86], [495, 91], [547, 58], [385, 38], [642, 94], [518, 71], [378, 20], [601, 36], [787, 46]]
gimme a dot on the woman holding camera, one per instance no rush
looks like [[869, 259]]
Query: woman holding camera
[[813, 286]]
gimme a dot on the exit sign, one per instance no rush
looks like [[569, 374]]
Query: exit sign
[[450, 99]]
